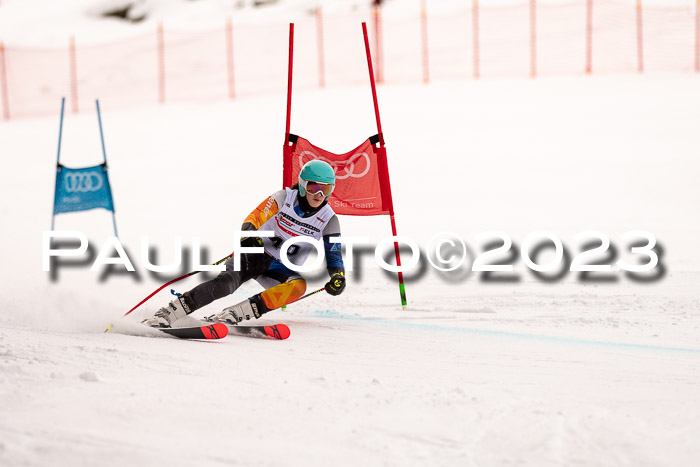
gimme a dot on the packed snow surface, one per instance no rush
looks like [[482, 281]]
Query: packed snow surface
[[503, 369]]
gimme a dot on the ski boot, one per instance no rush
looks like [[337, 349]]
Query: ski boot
[[167, 315], [234, 314]]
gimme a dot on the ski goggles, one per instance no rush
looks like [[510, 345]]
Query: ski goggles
[[315, 187]]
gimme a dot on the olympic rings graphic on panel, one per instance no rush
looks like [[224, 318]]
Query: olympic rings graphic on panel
[[82, 182], [347, 166]]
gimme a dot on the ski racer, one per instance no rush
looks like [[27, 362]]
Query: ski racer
[[300, 210]]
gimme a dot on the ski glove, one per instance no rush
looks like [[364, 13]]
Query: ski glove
[[336, 285]]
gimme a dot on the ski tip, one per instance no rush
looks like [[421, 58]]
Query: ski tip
[[215, 331], [278, 331]]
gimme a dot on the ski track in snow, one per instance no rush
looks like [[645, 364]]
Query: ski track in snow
[[372, 392]]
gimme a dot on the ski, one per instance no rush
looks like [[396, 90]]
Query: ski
[[274, 331], [210, 331]]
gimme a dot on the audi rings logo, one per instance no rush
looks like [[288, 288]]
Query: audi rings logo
[[356, 167], [82, 182]]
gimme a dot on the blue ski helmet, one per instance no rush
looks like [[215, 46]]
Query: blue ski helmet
[[316, 171]]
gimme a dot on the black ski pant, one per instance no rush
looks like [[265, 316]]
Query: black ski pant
[[228, 281]]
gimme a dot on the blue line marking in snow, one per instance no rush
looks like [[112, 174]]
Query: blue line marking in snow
[[488, 332]]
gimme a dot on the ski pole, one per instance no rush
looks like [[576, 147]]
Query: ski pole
[[312, 293], [284, 307], [173, 281]]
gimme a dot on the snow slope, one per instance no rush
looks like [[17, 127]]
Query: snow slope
[[526, 371]]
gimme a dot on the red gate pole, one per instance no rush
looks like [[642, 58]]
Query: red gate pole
[[229, 60], [371, 79], [640, 49], [319, 42], [589, 36], [3, 84], [286, 153], [533, 38], [289, 81], [475, 36], [424, 38], [697, 36], [73, 75], [161, 63], [384, 167]]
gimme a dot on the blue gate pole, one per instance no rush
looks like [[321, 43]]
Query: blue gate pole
[[58, 159], [99, 121], [104, 154]]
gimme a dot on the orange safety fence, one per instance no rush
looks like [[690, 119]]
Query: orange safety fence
[[531, 38]]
